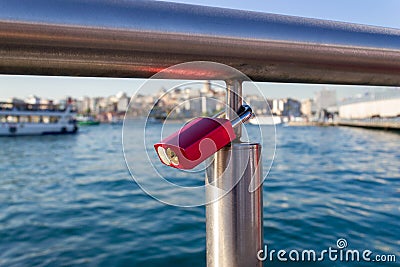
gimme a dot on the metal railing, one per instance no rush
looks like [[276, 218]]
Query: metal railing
[[139, 38]]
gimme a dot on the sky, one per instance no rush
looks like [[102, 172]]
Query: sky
[[370, 12]]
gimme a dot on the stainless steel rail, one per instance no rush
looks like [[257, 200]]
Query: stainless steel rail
[[139, 38]]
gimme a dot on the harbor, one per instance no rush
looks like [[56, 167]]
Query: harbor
[[368, 124], [384, 125], [179, 149], [377, 110], [91, 199], [91, 213]]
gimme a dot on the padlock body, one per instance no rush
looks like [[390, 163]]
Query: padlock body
[[195, 142]]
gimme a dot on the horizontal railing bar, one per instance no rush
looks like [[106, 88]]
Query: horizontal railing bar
[[139, 38]]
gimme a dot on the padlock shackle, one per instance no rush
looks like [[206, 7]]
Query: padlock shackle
[[244, 114], [219, 114]]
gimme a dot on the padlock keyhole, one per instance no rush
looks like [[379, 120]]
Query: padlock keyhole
[[172, 156]]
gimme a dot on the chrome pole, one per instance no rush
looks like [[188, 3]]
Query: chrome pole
[[234, 222], [233, 103]]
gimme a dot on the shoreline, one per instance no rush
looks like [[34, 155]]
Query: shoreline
[[379, 125]]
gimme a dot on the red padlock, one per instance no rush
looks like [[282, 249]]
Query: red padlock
[[198, 140]]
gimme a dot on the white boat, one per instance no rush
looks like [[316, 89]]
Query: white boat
[[29, 119], [265, 120]]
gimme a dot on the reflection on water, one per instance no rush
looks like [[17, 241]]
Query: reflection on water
[[69, 200]]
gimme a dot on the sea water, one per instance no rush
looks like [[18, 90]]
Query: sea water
[[70, 200]]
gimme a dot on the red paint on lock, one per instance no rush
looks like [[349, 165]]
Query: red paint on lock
[[195, 142]]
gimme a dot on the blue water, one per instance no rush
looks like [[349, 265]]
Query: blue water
[[70, 201]]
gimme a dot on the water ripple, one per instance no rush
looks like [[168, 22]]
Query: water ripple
[[69, 200]]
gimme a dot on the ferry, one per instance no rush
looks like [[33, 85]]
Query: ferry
[[36, 119]]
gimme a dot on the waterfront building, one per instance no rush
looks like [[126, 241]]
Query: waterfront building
[[15, 100], [33, 100], [86, 105], [384, 104], [259, 104], [286, 107], [308, 108]]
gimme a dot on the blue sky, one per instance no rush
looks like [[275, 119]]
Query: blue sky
[[372, 12]]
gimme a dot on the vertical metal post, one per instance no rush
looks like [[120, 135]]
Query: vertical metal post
[[234, 223], [233, 102]]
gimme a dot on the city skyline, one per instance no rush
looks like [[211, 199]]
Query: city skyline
[[57, 88]]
